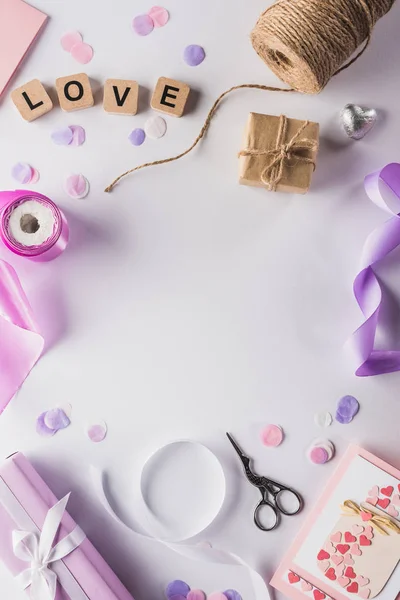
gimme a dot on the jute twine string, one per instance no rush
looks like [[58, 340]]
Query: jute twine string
[[284, 151], [305, 43]]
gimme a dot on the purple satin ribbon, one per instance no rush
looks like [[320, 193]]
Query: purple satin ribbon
[[21, 343], [367, 290]]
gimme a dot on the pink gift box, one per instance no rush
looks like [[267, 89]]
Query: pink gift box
[[26, 491]]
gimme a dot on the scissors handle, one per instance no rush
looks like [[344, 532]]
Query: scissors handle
[[273, 509], [279, 494]]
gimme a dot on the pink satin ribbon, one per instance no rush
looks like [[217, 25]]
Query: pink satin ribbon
[[21, 343], [367, 290], [53, 246]]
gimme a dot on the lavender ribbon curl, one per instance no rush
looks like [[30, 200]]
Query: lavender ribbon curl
[[367, 289]]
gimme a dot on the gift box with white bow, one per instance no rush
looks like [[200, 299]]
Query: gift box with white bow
[[45, 551]]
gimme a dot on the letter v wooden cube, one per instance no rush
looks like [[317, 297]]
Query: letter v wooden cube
[[121, 97], [32, 100], [170, 96]]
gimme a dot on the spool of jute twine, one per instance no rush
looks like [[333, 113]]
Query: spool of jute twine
[[305, 43]]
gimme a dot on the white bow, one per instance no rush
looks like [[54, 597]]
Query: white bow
[[39, 552]]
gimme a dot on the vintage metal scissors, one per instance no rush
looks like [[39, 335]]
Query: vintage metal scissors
[[269, 489]]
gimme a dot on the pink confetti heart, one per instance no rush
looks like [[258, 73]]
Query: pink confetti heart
[[343, 581], [355, 550], [396, 500], [348, 560], [329, 547], [305, 586], [82, 53], [97, 433], [337, 560], [364, 593], [357, 529], [369, 532], [69, 40], [392, 511], [323, 565], [362, 581], [365, 516], [77, 186], [336, 537], [374, 491], [159, 15], [373, 500], [339, 570]]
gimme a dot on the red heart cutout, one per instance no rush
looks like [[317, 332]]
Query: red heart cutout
[[343, 548], [349, 537], [322, 555], [293, 578], [353, 588], [330, 574], [398, 485], [384, 502], [364, 541], [349, 572], [318, 595], [387, 491]]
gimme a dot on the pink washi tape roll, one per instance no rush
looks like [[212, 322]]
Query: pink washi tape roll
[[31, 225]]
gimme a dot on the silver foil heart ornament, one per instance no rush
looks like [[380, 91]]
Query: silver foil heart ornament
[[357, 121]]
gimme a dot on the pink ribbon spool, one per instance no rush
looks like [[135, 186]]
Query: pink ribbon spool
[[53, 246]]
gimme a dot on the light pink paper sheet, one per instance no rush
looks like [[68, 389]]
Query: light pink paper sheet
[[20, 23]]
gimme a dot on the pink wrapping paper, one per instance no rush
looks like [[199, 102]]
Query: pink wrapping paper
[[90, 570]]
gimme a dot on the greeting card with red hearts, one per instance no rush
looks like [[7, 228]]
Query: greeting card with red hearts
[[341, 554]]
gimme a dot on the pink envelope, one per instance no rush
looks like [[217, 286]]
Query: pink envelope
[[20, 23]]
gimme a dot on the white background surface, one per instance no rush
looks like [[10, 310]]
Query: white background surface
[[186, 305]]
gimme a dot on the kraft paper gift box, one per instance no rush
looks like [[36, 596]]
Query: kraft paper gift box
[[25, 500], [278, 153]]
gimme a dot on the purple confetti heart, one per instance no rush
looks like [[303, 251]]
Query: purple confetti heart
[[194, 55], [232, 595], [56, 419], [22, 172], [143, 24], [41, 427], [62, 137], [137, 137], [177, 588], [78, 135], [347, 408]]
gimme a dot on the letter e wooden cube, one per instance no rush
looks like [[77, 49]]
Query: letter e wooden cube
[[121, 97], [170, 96], [32, 100], [74, 92]]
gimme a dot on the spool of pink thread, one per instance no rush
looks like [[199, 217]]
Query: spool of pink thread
[[32, 225]]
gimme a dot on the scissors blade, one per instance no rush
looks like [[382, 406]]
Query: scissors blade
[[237, 448]]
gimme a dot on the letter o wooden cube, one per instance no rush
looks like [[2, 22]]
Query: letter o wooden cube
[[74, 92], [170, 96], [32, 100]]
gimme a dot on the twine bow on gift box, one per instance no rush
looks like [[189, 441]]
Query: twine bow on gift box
[[39, 552], [283, 152], [378, 521]]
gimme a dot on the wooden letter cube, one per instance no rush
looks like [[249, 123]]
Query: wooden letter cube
[[170, 96], [32, 100], [121, 97], [74, 92]]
